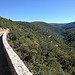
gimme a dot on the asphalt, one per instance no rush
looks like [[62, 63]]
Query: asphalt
[[4, 67]]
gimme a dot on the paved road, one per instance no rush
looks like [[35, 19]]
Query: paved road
[[4, 68]]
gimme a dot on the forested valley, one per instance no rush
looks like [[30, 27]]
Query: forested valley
[[45, 49]]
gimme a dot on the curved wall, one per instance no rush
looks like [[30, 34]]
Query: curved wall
[[16, 65]]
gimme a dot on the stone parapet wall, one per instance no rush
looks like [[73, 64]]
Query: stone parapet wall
[[16, 65]]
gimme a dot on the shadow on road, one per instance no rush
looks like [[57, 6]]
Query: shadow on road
[[4, 68]]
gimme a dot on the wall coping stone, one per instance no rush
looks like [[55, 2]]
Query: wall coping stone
[[16, 65]]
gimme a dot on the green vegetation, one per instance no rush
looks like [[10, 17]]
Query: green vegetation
[[70, 34], [42, 49], [69, 25], [50, 27]]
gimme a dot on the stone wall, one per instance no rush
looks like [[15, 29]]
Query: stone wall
[[16, 65]]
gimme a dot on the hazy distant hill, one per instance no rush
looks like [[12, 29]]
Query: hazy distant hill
[[65, 25], [58, 24], [69, 25]]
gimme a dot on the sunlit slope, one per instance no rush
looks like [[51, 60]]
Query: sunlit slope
[[50, 27], [42, 50]]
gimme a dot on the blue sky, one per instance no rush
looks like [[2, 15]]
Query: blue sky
[[51, 11]]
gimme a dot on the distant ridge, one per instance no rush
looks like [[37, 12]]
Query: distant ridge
[[58, 24], [69, 25], [49, 26]]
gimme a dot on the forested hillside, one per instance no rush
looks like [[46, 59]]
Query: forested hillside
[[50, 27], [69, 25], [59, 24], [70, 34], [42, 49]]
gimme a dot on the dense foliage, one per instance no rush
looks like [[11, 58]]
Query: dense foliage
[[70, 34], [50, 27], [69, 25], [42, 50]]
